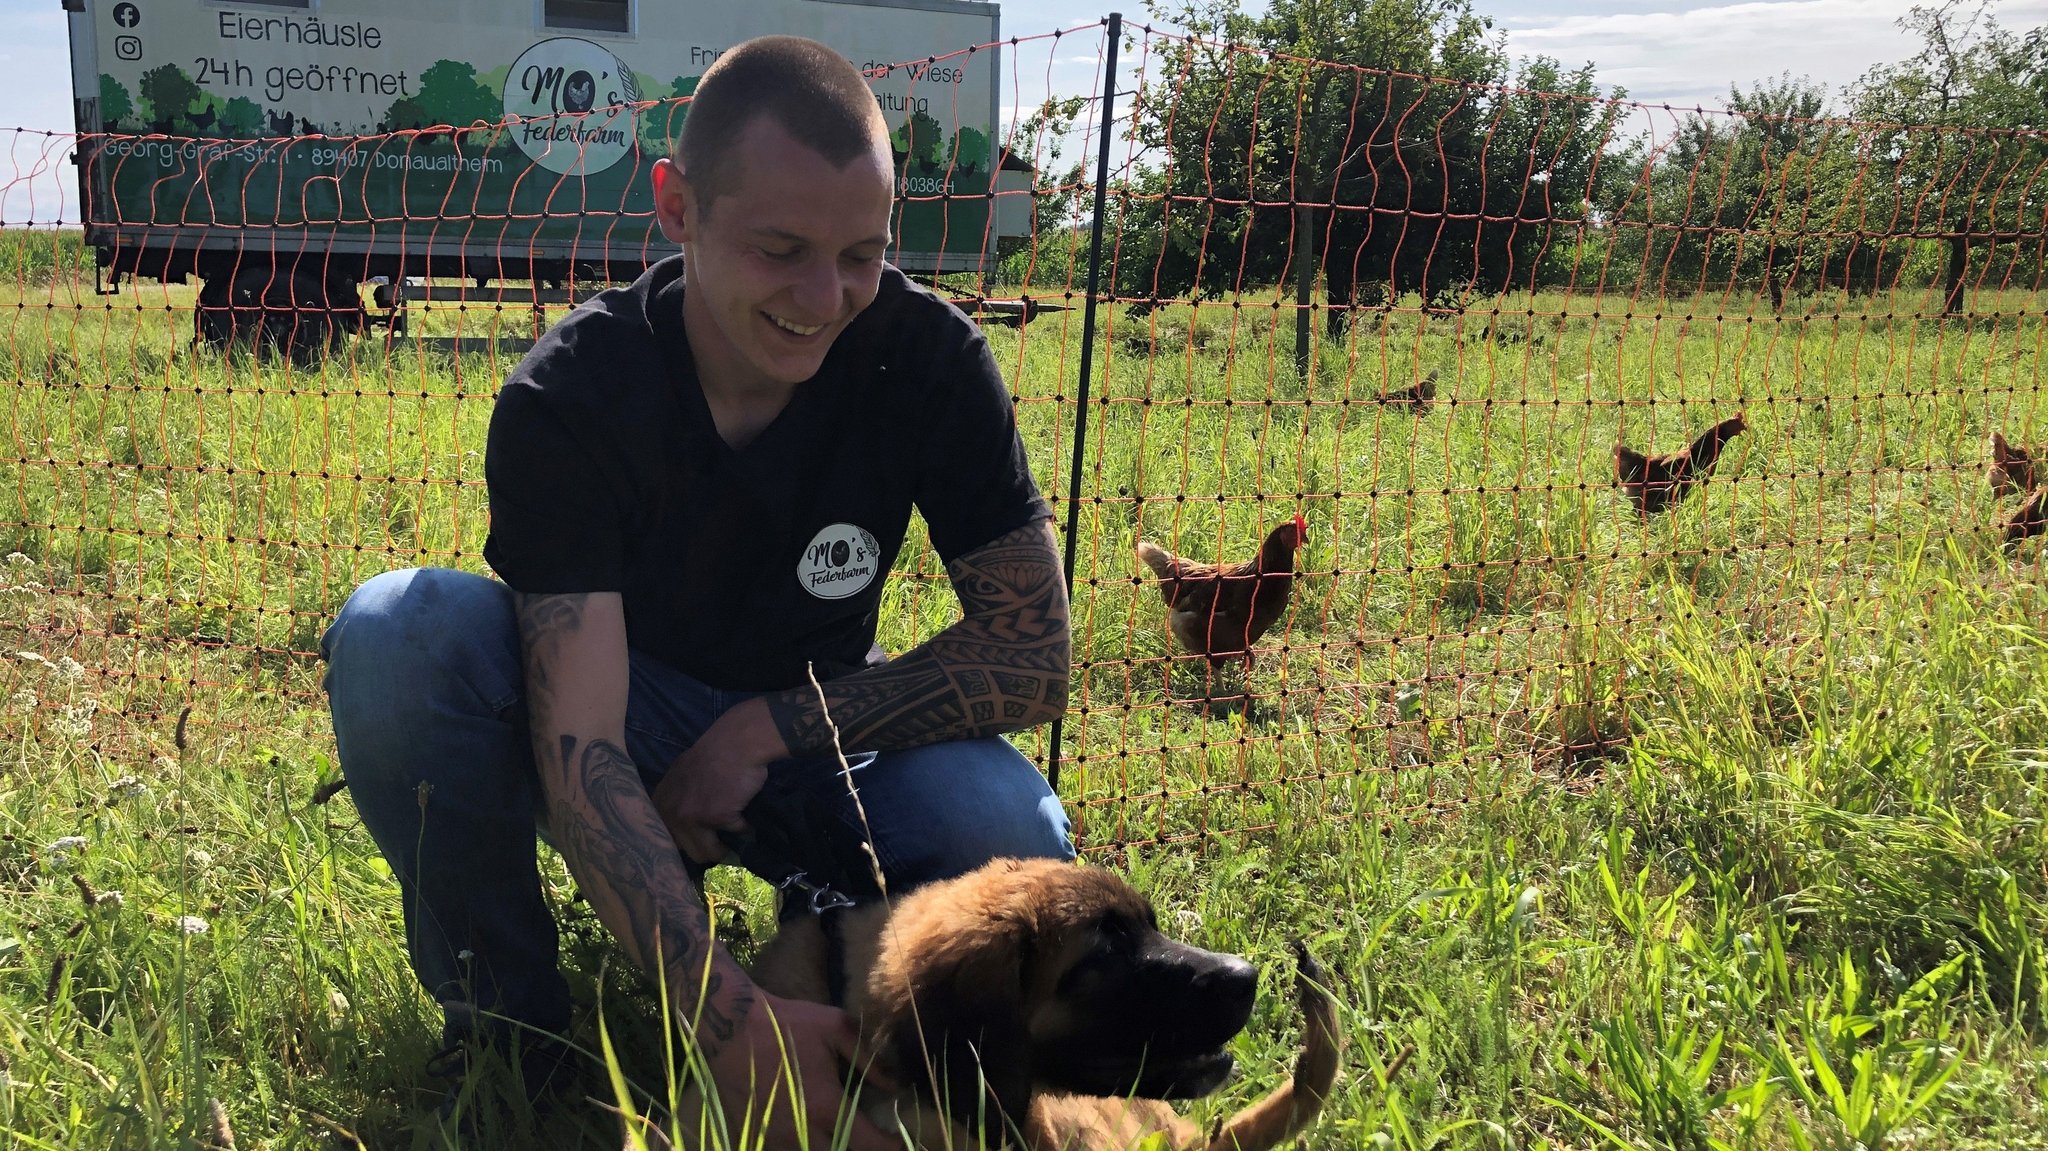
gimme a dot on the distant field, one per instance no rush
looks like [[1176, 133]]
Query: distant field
[[1724, 830]]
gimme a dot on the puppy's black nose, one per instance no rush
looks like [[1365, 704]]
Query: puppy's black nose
[[1229, 983], [1190, 1000]]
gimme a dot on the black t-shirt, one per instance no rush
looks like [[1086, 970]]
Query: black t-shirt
[[606, 473]]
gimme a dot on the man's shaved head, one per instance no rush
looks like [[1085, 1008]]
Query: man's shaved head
[[809, 90]]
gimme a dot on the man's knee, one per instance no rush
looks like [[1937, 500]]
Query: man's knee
[[415, 606], [1034, 829], [991, 803], [410, 645]]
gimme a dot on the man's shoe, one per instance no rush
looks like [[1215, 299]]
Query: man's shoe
[[479, 1072]]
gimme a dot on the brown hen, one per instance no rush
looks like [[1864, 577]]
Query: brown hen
[[2030, 520], [1655, 483], [2011, 470], [1416, 396], [1220, 610]]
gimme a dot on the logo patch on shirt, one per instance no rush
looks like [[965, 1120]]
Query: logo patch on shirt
[[839, 561]]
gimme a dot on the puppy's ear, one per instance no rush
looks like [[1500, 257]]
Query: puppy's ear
[[967, 1037]]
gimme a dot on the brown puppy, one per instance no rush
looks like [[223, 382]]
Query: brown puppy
[[1038, 1002]]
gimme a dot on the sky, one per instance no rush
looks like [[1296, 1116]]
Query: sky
[[1681, 52]]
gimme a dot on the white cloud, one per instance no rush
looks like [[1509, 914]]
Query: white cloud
[[1690, 56]]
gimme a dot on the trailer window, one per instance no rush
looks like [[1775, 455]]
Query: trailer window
[[589, 15]]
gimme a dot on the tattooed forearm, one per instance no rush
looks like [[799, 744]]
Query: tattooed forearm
[[621, 840], [1000, 668], [604, 822], [613, 833]]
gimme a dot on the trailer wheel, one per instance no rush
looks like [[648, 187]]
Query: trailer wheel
[[275, 310]]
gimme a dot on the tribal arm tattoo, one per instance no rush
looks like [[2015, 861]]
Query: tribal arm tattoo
[[602, 819], [1001, 668]]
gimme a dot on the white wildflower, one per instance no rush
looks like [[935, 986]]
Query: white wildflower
[[18, 560], [465, 955], [70, 668], [76, 720], [30, 657], [111, 900], [199, 858], [337, 1001], [126, 787], [164, 763], [191, 925], [57, 858], [23, 700]]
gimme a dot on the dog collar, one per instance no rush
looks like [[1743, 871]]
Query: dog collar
[[819, 898]]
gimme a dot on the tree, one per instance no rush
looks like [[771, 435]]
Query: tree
[[115, 107], [1040, 139], [1395, 119], [449, 94], [170, 95], [241, 119], [1961, 146], [919, 138], [970, 152], [660, 123], [1771, 191], [405, 112]]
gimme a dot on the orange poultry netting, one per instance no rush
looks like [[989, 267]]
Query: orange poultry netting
[[1418, 314]]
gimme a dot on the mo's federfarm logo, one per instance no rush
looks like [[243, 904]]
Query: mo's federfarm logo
[[839, 561], [569, 104]]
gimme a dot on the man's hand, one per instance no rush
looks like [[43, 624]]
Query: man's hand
[[708, 786], [819, 1043]]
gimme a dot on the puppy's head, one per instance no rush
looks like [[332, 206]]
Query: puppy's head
[[1028, 976]]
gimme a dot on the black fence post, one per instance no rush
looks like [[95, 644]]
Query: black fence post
[[1116, 32], [1305, 256]]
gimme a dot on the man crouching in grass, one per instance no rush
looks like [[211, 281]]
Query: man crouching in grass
[[697, 485]]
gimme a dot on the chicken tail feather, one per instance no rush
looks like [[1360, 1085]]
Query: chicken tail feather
[[1706, 450], [1163, 563]]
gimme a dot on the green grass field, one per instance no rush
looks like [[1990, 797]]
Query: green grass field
[[1724, 830]]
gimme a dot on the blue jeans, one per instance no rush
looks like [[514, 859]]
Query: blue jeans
[[425, 685]]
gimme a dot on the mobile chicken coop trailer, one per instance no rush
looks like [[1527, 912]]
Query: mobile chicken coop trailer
[[289, 152]]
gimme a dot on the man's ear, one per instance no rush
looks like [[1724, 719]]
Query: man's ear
[[675, 201]]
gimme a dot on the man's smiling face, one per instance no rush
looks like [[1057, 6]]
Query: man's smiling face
[[782, 259]]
